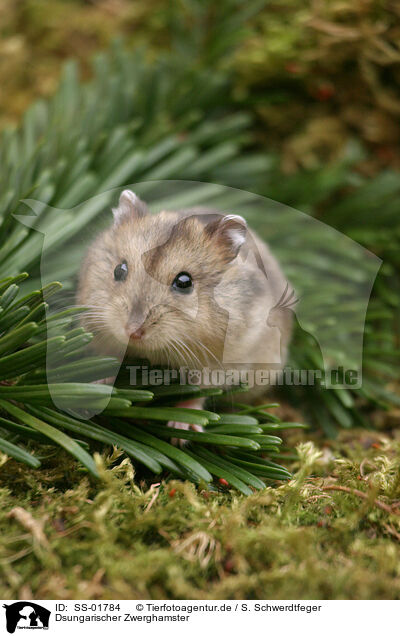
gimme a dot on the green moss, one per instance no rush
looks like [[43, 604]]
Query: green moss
[[115, 539]]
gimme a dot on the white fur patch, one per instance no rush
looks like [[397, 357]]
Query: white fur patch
[[236, 230]]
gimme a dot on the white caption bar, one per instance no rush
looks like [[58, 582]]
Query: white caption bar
[[174, 617]]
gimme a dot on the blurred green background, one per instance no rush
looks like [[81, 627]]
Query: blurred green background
[[316, 73]]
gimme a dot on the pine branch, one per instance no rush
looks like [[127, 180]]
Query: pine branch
[[29, 416]]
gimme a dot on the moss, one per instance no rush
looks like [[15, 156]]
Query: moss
[[37, 37], [117, 539]]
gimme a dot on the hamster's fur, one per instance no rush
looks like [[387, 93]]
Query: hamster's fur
[[225, 321]]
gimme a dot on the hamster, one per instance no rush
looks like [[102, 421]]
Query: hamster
[[191, 288]]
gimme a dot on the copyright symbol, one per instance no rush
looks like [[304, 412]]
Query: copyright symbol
[[139, 607]]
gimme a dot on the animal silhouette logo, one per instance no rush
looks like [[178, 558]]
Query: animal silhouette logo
[[305, 247], [26, 615]]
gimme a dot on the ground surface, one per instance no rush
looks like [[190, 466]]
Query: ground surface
[[66, 537]]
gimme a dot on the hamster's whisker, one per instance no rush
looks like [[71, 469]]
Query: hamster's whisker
[[97, 321], [91, 307], [177, 352], [97, 311], [166, 350], [191, 353], [180, 354], [77, 306], [197, 359], [165, 353], [207, 350], [94, 313], [183, 354], [101, 336], [97, 315]]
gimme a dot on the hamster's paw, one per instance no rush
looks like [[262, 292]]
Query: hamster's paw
[[195, 403], [109, 380], [184, 426]]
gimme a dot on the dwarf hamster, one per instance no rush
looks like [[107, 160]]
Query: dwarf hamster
[[191, 288]]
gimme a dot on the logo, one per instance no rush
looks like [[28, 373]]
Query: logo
[[26, 615], [207, 292]]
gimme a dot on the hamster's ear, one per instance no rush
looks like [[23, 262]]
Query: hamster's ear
[[129, 206], [229, 233]]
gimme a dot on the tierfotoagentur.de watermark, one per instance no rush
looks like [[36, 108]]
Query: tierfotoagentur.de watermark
[[230, 378]]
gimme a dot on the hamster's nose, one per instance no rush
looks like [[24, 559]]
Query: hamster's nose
[[135, 333]]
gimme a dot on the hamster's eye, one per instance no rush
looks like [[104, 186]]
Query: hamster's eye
[[183, 283], [121, 271]]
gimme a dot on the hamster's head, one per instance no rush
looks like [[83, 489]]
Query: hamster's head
[[148, 282]]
